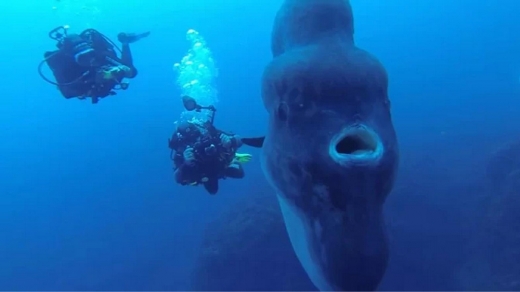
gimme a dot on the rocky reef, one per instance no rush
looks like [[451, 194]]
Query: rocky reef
[[247, 248]]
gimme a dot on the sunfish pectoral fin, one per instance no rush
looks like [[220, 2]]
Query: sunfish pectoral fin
[[257, 142]]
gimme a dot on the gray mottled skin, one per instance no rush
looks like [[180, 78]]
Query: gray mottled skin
[[318, 89]]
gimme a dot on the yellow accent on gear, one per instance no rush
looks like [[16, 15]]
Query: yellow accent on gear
[[243, 157], [108, 74]]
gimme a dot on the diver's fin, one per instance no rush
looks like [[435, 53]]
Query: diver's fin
[[127, 38], [257, 142]]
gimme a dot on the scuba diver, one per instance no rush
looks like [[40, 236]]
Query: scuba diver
[[86, 64], [202, 154]]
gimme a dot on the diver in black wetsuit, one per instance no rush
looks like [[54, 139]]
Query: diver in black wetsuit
[[203, 154], [87, 65]]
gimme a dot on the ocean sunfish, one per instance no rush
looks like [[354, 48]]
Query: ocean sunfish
[[331, 152]]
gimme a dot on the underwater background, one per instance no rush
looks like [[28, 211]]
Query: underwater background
[[87, 195]]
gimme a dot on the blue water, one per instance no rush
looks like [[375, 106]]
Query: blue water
[[87, 195]]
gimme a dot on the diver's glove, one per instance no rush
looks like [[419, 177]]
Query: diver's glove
[[228, 141], [113, 72], [189, 156], [225, 141], [238, 141]]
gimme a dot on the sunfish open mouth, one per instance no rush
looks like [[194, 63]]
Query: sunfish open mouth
[[356, 144]]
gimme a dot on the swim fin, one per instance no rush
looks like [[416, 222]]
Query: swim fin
[[257, 142], [127, 38]]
